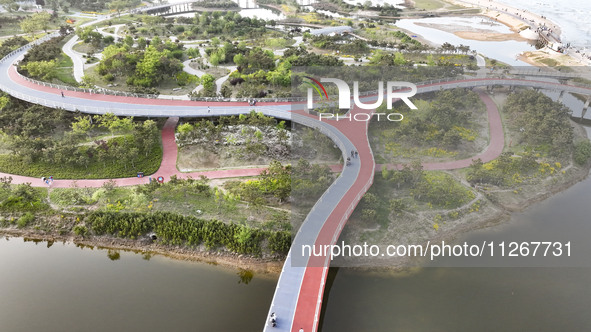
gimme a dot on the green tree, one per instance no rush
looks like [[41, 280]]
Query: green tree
[[82, 125], [4, 100], [128, 40], [276, 180], [36, 22], [119, 5], [582, 152], [9, 5], [29, 25], [45, 70], [208, 82], [146, 136], [108, 121]]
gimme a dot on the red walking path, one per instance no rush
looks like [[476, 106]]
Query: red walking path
[[306, 316], [166, 170], [299, 293], [309, 304], [306, 287], [493, 150], [307, 310]]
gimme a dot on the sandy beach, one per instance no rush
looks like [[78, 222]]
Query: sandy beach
[[518, 20], [473, 33]]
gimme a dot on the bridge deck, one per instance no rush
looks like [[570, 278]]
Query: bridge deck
[[298, 296]]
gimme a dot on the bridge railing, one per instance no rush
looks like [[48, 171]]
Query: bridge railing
[[340, 227], [104, 91], [584, 88], [29, 45]]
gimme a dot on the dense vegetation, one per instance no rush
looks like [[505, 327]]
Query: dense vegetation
[[310, 181], [12, 44], [441, 128], [274, 183], [409, 189], [40, 61], [433, 188], [170, 228], [44, 141], [340, 43], [21, 197], [544, 138], [582, 152], [544, 124], [174, 229], [131, 216], [142, 66], [47, 62], [228, 25]]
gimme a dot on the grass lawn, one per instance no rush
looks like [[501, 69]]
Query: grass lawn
[[495, 63], [84, 48], [548, 62], [428, 4], [10, 25], [65, 70], [10, 22], [118, 20]]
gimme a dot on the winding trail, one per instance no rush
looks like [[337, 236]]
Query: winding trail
[[492, 151], [77, 59], [298, 296], [167, 168]]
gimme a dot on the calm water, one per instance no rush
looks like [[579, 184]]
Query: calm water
[[505, 51], [65, 288], [481, 299]]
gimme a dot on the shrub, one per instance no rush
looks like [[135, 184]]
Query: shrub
[[174, 229], [25, 219], [80, 230], [582, 152]]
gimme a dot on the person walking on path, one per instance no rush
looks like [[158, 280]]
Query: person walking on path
[[63, 95], [208, 109]]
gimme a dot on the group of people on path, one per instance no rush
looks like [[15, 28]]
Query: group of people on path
[[354, 154], [48, 181]]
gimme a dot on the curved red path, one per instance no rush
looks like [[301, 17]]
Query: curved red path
[[15, 77], [307, 311], [494, 149], [167, 168], [309, 304]]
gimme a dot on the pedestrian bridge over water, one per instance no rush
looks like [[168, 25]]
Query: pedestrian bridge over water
[[299, 293]]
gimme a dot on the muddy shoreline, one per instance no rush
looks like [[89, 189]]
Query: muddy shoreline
[[267, 265], [271, 265]]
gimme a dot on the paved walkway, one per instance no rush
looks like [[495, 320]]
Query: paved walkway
[[298, 297], [166, 170], [77, 60], [297, 301], [493, 150]]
